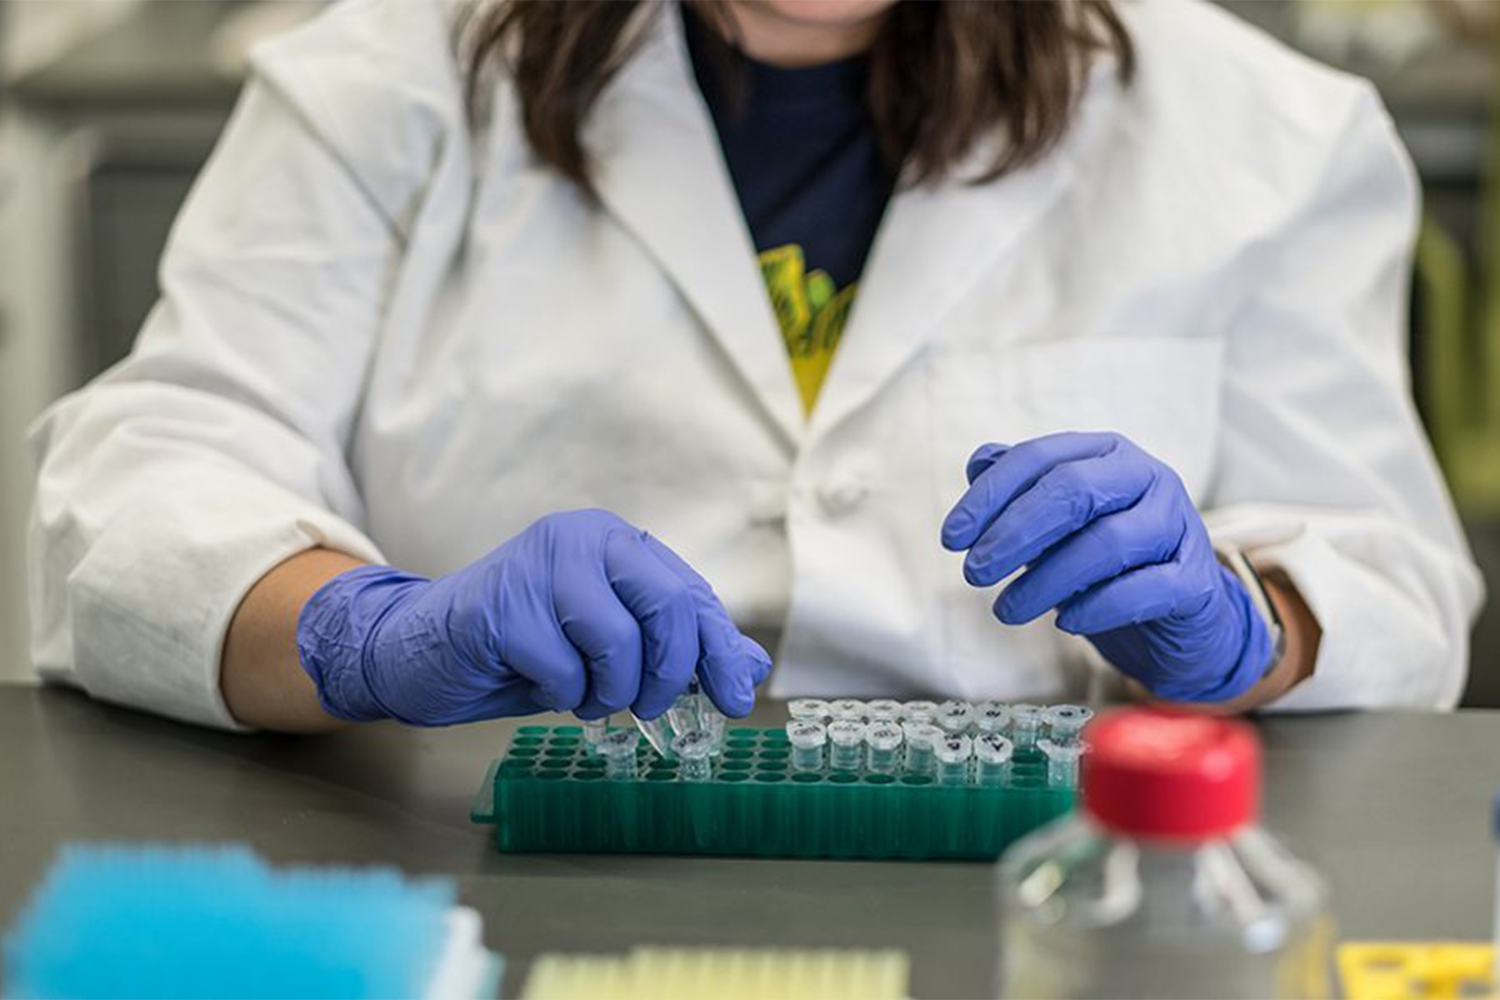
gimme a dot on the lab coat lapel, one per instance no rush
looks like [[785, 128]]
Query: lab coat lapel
[[932, 246], [659, 170]]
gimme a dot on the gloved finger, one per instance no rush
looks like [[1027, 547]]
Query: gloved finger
[[546, 658], [1011, 474], [1141, 595], [665, 611], [1144, 534], [1062, 501], [603, 630], [984, 456], [730, 666]]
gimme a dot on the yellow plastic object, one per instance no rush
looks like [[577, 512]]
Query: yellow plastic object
[[1407, 970], [720, 974]]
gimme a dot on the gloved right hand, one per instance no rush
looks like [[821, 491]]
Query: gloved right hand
[[580, 612]]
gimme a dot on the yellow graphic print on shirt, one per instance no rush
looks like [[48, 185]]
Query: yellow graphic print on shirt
[[811, 312]]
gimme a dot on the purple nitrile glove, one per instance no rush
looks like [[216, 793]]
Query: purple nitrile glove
[[580, 612], [1111, 540]]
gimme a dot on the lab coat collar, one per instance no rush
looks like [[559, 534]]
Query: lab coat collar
[[659, 170]]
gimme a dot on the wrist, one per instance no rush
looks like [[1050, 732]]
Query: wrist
[[338, 634]]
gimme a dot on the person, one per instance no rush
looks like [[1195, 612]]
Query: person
[[547, 355]]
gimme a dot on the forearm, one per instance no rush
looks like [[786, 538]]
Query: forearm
[[260, 674]]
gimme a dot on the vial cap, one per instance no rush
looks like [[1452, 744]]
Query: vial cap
[[846, 732], [1171, 775], [883, 735]]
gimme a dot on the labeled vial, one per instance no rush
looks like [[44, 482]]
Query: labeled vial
[[1064, 722], [991, 717], [921, 738], [695, 752], [919, 711], [992, 758], [1062, 762], [953, 752], [808, 739], [954, 717], [618, 750], [883, 710], [846, 745], [847, 709], [884, 739], [593, 734], [808, 709], [1026, 721]]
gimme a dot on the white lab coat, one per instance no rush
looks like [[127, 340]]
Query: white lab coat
[[388, 333]]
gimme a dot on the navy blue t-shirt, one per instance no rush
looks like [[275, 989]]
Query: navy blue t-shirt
[[811, 179]]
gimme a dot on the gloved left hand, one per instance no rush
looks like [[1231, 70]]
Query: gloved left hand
[[1113, 542]]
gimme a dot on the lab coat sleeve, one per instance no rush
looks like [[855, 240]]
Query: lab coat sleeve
[[1324, 471], [170, 485]]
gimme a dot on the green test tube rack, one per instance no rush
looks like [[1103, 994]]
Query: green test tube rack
[[549, 794]]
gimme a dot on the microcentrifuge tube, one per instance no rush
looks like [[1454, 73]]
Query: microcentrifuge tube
[[953, 717], [1064, 722], [1026, 722], [807, 738], [808, 709], [884, 738], [684, 713], [992, 755], [846, 745], [883, 710], [593, 733], [618, 750], [658, 732], [695, 752], [991, 717], [850, 709], [1062, 762], [920, 740], [953, 752], [919, 711]]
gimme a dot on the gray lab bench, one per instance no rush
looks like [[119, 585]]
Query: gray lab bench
[[1395, 809]]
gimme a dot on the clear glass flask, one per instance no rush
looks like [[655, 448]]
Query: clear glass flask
[[1161, 884]]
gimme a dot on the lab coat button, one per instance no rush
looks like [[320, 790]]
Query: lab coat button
[[842, 496]]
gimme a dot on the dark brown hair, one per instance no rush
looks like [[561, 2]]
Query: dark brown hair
[[942, 74]]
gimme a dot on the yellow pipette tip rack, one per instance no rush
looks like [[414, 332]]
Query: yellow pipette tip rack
[[721, 974], [1430, 970]]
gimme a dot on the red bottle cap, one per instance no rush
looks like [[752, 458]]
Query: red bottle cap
[[1159, 773]]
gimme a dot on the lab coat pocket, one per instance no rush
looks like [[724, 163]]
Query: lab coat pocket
[[1161, 392]]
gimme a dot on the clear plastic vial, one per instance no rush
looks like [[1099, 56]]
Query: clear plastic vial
[[1026, 721], [694, 751], [991, 717], [847, 709], [808, 709], [918, 711], [921, 741], [884, 741], [593, 733], [1062, 762], [953, 752], [992, 757], [846, 745], [955, 717], [618, 750], [808, 739], [883, 710], [1065, 722], [1162, 885]]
